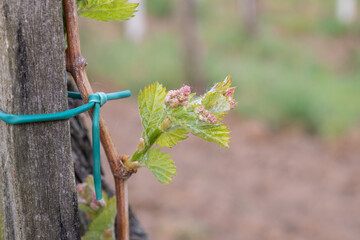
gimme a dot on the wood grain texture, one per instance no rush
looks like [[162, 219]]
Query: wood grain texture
[[37, 178]]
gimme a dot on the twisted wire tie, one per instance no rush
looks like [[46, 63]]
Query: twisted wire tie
[[96, 100]]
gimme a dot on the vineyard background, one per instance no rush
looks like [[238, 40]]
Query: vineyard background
[[293, 165]]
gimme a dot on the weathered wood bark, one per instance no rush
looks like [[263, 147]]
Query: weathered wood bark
[[37, 178], [192, 49]]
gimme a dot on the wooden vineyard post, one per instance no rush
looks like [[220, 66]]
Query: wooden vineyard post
[[38, 194]]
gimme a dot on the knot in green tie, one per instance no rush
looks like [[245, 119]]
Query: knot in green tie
[[99, 97]]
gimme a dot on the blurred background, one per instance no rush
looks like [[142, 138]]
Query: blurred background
[[293, 167]]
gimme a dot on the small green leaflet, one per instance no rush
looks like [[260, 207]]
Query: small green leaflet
[[216, 103], [222, 86], [161, 165], [91, 235], [217, 133], [171, 138], [106, 10], [102, 226], [152, 108]]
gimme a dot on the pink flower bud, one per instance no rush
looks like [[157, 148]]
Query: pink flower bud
[[80, 188], [199, 109], [230, 92], [185, 103], [167, 99], [95, 205], [94, 197], [212, 119], [181, 97], [205, 115], [174, 102], [172, 93], [176, 98], [101, 203], [186, 90], [202, 118], [82, 200]]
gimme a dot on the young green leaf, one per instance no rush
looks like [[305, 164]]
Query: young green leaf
[[106, 10], [216, 103], [92, 235], [221, 87], [152, 108], [217, 133], [103, 224], [161, 165], [171, 138], [187, 119], [87, 209]]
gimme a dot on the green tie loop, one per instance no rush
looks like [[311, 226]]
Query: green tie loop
[[98, 97], [96, 100]]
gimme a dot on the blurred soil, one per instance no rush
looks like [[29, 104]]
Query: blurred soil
[[267, 186]]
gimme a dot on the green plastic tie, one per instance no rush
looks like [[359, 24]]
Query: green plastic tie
[[96, 101]]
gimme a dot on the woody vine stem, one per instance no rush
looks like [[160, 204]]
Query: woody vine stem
[[76, 65]]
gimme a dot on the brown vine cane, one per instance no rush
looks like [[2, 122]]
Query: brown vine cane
[[76, 65]]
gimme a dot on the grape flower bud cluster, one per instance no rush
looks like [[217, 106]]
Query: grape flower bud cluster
[[87, 196], [205, 115], [179, 97], [95, 205]]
